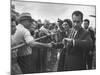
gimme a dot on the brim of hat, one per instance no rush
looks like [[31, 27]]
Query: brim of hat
[[26, 18], [32, 20]]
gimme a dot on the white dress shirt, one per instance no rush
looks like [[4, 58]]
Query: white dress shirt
[[22, 35]]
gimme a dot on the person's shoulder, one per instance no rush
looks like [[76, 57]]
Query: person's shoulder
[[22, 29], [86, 32], [83, 30]]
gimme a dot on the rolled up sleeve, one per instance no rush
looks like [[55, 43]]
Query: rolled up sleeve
[[28, 38]]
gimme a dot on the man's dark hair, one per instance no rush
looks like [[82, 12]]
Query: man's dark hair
[[78, 13], [87, 20], [13, 18], [60, 21], [69, 22]]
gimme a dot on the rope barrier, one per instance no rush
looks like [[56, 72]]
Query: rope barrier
[[20, 45]]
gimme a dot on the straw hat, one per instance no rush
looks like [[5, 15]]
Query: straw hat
[[25, 16]]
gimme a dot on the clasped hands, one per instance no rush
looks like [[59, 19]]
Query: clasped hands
[[65, 42]]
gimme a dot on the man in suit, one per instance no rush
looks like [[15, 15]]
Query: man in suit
[[77, 44], [89, 57]]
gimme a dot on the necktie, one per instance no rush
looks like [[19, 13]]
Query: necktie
[[75, 34], [72, 34]]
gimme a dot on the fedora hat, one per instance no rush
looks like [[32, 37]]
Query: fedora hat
[[25, 16]]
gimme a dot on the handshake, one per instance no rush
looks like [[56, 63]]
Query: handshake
[[57, 45], [65, 42]]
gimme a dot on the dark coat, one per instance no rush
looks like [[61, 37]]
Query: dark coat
[[74, 58]]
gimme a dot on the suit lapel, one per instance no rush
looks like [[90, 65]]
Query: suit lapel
[[79, 33]]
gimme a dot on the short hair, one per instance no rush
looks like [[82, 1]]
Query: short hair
[[53, 24], [60, 21], [87, 20], [13, 18], [69, 22], [78, 13]]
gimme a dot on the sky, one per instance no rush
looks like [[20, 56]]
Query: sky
[[53, 11]]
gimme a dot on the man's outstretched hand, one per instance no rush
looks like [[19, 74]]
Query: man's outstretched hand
[[57, 45]]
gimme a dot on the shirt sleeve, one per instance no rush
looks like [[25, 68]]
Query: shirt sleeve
[[27, 36]]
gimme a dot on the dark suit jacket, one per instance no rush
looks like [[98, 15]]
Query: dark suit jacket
[[75, 55]]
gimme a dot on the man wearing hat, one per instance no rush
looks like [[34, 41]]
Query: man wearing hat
[[22, 35]]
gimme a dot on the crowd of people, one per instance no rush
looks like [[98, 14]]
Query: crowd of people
[[64, 45]]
